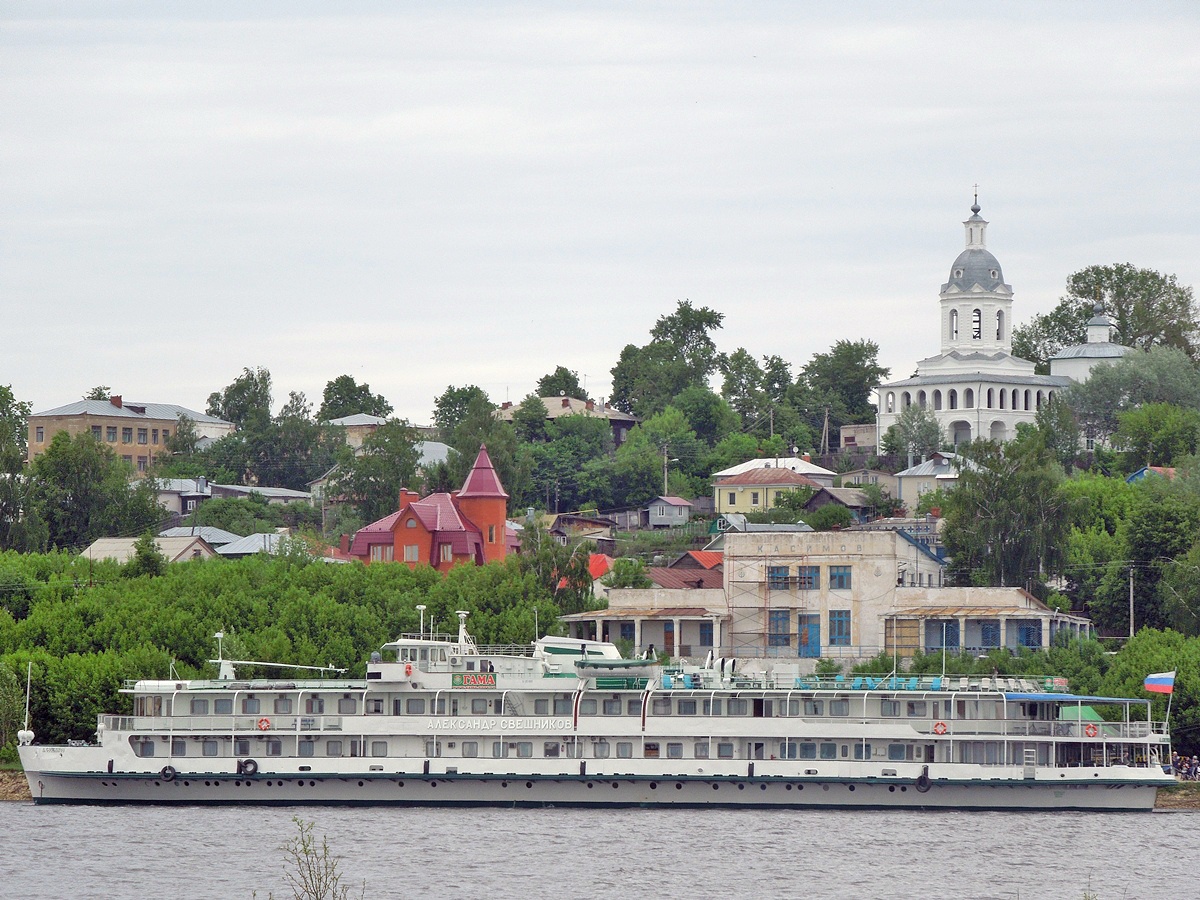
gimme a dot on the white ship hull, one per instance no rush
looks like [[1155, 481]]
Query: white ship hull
[[772, 784]]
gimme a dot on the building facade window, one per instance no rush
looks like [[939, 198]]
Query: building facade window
[[110, 434], [706, 634], [808, 578], [126, 435], [777, 578], [732, 498], [777, 628], [989, 634], [41, 434], [143, 436], [627, 631], [411, 553], [382, 553], [754, 498], [97, 432], [154, 435], [447, 554], [839, 578], [839, 627]]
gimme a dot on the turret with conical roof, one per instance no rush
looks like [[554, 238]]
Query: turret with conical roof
[[484, 501]]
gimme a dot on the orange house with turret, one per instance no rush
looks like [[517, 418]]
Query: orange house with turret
[[443, 530]]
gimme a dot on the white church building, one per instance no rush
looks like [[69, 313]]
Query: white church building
[[974, 387]]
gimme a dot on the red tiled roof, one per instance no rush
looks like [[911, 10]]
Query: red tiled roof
[[482, 480], [685, 579], [706, 559], [442, 519], [378, 532], [770, 476]]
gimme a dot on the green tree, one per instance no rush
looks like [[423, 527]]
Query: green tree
[[343, 396], [1007, 520], [81, 490], [296, 448], [829, 517], [1156, 434], [1162, 375], [529, 419], [20, 527], [147, 559], [246, 402], [850, 370], [1059, 430], [100, 392], [11, 710], [689, 331], [645, 379], [1150, 309], [454, 405], [1161, 527], [915, 435], [372, 478], [627, 572], [562, 382], [743, 385], [710, 416]]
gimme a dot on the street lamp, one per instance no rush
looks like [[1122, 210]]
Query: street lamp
[[421, 609]]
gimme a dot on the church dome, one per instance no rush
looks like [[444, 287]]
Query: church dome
[[975, 266]]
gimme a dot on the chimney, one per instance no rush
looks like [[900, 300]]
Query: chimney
[[566, 402], [407, 498], [345, 544], [807, 458], [115, 400], [507, 404]]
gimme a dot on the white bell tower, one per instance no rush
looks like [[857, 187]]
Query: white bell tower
[[976, 304]]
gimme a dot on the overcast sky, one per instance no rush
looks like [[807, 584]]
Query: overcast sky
[[425, 194]]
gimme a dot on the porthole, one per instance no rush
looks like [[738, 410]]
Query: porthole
[[851, 787], [678, 786], [762, 787], [994, 273], [716, 787], [654, 785], [824, 787], [789, 787], [432, 784], [399, 784], [615, 785], [741, 787], [958, 273], [590, 785], [360, 784], [528, 784]]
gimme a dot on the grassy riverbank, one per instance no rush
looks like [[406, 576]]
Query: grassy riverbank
[[1185, 795]]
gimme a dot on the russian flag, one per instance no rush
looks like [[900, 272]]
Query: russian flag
[[1161, 683]]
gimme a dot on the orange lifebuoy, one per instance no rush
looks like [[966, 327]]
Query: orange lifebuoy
[[939, 728], [408, 669], [264, 723], [1091, 730]]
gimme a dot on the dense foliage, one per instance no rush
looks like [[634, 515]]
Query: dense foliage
[[87, 628]]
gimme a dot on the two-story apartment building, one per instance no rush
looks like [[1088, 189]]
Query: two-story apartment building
[[136, 432]]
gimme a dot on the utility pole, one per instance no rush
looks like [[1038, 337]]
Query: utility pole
[[664, 470]]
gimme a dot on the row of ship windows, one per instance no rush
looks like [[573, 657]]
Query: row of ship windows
[[601, 749], [659, 706]]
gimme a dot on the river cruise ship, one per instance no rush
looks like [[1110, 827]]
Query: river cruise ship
[[441, 721]]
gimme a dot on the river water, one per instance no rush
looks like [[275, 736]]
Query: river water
[[202, 852]]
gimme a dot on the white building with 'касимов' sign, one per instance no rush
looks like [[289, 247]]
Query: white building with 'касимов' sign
[[974, 387]]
